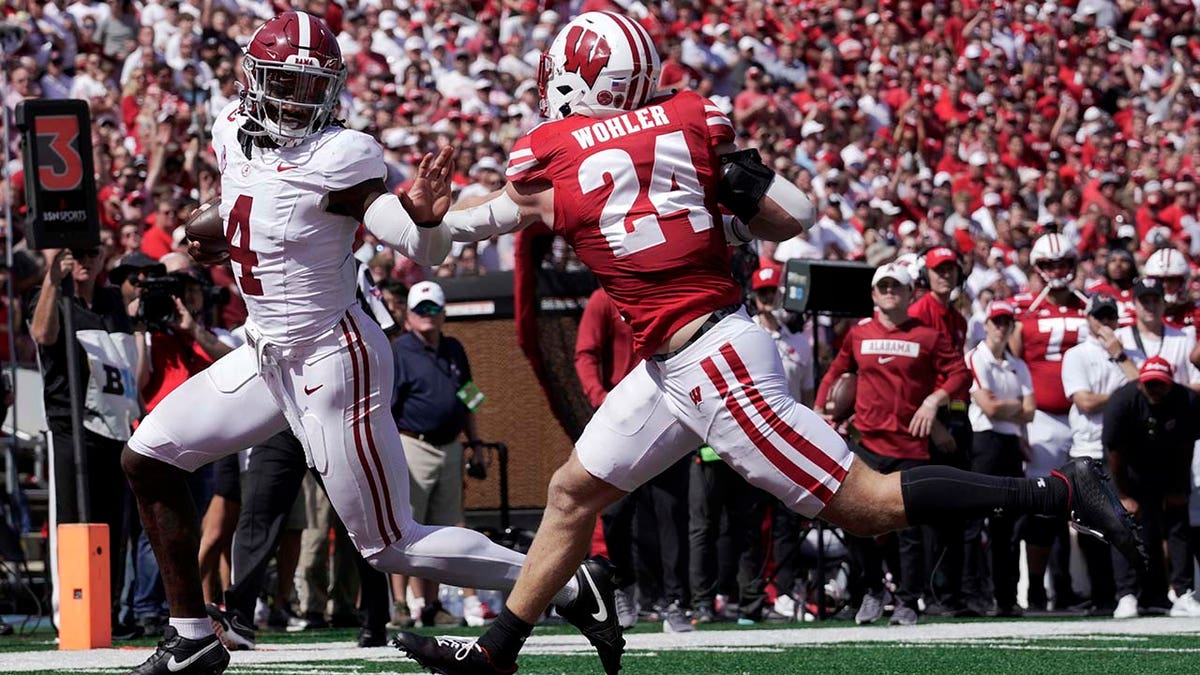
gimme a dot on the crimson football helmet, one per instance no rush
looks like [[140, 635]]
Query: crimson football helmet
[[1054, 259], [295, 73], [599, 65], [1171, 268]]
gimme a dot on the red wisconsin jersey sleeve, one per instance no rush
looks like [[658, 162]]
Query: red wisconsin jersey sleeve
[[720, 129], [525, 164]]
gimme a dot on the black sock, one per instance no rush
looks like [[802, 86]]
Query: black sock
[[937, 494], [504, 638]]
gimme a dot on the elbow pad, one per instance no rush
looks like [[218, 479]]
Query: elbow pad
[[744, 181], [388, 220]]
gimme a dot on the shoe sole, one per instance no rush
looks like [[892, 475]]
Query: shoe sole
[[232, 641]]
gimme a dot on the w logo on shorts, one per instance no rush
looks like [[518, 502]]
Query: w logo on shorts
[[696, 396]]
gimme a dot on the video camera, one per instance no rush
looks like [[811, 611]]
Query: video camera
[[157, 307]]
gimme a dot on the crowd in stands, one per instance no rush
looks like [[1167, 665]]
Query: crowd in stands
[[911, 125]]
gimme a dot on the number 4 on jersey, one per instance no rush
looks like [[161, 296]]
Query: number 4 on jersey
[[674, 187], [240, 252]]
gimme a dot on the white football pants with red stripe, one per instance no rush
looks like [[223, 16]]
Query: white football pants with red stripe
[[727, 389], [336, 396]]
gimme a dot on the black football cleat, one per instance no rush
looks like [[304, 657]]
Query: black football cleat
[[448, 655], [1096, 509], [372, 637], [233, 631], [180, 656], [594, 612]]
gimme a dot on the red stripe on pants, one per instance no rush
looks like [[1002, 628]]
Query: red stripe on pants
[[793, 437], [358, 444], [793, 472]]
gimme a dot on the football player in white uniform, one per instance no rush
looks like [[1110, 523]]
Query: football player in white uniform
[[295, 185]]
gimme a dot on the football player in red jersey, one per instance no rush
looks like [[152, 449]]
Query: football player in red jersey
[[1170, 267], [633, 179], [1120, 270], [1049, 324]]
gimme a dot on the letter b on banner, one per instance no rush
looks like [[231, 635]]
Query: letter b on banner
[[60, 184]]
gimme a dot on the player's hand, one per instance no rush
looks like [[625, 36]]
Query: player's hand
[[60, 264], [1130, 505], [428, 200], [922, 420], [184, 321], [207, 255]]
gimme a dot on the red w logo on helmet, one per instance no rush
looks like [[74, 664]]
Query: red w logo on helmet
[[587, 53]]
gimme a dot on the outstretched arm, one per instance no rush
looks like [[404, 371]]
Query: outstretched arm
[[512, 207], [412, 222]]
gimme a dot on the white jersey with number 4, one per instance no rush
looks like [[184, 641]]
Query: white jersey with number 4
[[292, 258]]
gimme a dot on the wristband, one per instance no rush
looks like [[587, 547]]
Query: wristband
[[1119, 358], [430, 224]]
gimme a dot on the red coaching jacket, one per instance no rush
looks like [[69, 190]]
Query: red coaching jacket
[[896, 370], [950, 322]]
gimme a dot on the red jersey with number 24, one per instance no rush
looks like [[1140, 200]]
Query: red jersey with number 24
[[1047, 332], [636, 196]]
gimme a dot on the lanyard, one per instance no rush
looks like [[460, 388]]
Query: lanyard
[[1137, 337]]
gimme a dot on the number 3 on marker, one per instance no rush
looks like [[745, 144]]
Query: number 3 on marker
[[60, 168]]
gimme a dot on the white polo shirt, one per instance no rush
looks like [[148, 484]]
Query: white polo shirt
[[1085, 367], [1175, 346], [1007, 379]]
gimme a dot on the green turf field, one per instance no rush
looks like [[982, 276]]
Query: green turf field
[[1047, 646]]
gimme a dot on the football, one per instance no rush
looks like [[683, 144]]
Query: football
[[207, 233], [839, 403]]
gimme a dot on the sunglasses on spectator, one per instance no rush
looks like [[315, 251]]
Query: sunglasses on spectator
[[82, 253], [427, 309]]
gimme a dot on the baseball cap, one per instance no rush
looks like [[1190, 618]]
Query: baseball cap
[[426, 291], [132, 262], [937, 256], [1126, 232], [766, 277], [811, 128], [1156, 369], [1147, 286], [1102, 302], [978, 158], [906, 228], [1000, 308], [895, 271], [942, 178]]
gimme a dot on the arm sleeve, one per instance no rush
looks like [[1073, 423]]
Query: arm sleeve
[[842, 363], [1074, 373], [950, 366], [590, 341], [388, 220], [498, 215]]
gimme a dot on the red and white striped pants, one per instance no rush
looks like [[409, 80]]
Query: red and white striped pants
[[335, 394], [727, 389]]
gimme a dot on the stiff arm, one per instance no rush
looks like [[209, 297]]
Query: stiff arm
[[783, 211]]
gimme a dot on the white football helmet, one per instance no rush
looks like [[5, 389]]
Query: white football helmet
[[1054, 259], [1169, 266], [599, 65]]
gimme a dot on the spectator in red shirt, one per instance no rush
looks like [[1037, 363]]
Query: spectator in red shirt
[[898, 362], [157, 240]]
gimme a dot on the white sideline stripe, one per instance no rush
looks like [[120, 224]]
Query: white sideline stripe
[[943, 635]]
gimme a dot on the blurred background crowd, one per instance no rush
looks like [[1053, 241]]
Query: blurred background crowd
[[978, 127]]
